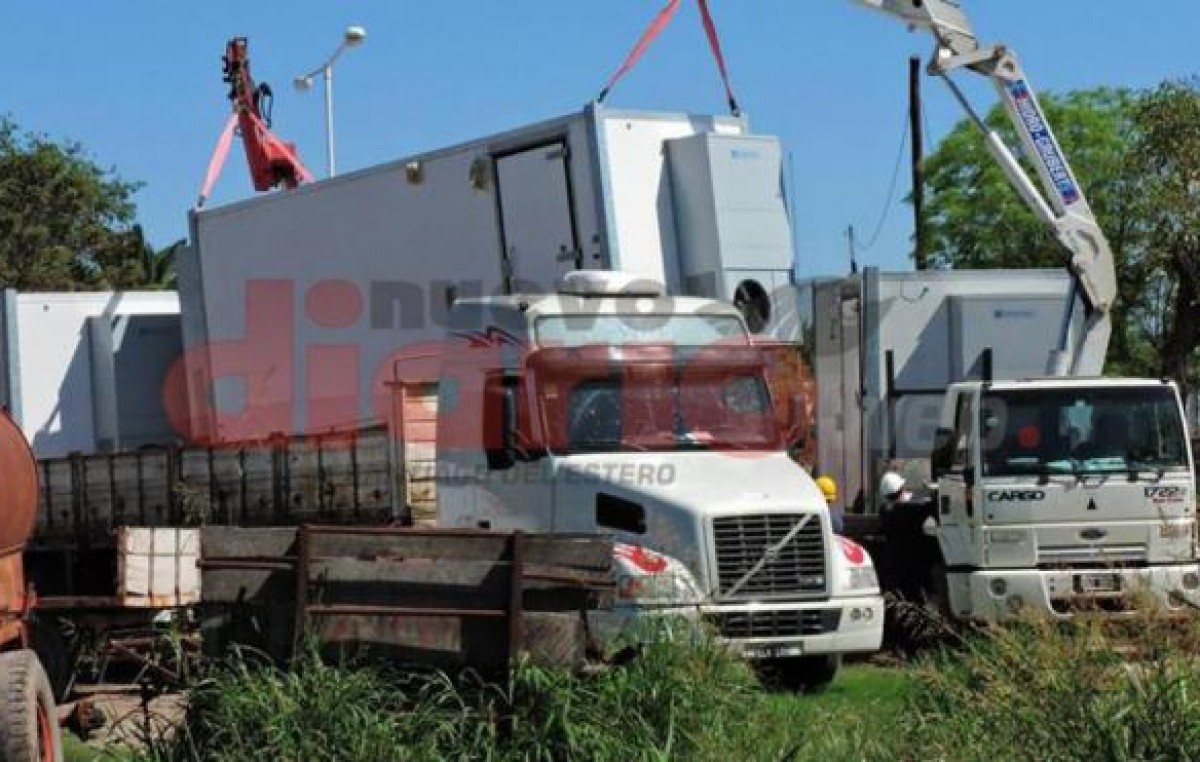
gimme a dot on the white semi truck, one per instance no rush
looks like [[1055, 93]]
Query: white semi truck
[[1070, 493], [300, 306], [610, 407]]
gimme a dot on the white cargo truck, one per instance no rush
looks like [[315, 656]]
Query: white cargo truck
[[610, 407], [1065, 495], [883, 348], [1058, 495]]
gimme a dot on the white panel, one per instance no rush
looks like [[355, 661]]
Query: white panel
[[915, 317], [55, 367], [396, 247], [643, 216], [397, 237]]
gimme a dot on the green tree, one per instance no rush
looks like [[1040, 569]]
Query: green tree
[[1165, 155], [65, 223], [976, 220], [158, 265]]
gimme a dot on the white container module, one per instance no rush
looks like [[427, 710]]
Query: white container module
[[85, 372], [345, 272], [883, 347]]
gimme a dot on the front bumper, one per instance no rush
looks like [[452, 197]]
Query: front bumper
[[760, 631], [1005, 595]]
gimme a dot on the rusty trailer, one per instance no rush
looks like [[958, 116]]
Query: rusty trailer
[[447, 598]]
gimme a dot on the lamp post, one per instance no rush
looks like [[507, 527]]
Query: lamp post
[[354, 36]]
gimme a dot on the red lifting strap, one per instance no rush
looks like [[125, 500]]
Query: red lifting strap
[[655, 29], [221, 153], [714, 42]]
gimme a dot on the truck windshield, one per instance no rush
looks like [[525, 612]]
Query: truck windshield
[[622, 414], [1082, 431]]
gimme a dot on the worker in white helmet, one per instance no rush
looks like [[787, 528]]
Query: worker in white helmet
[[892, 492]]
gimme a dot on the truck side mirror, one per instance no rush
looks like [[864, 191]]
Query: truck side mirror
[[942, 457], [507, 439], [499, 421]]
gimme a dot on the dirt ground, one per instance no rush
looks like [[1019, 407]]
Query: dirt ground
[[128, 723]]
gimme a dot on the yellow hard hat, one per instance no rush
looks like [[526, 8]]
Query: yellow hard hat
[[828, 487]]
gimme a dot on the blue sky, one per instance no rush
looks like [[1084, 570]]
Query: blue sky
[[138, 82]]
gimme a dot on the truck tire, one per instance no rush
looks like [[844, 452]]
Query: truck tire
[[807, 674], [51, 647], [29, 729]]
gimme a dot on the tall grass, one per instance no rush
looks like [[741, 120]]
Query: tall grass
[[671, 702], [1040, 691], [1047, 691]]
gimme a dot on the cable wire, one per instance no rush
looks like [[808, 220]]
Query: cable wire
[[891, 195]]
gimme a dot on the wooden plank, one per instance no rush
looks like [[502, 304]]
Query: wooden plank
[[242, 542], [423, 432], [419, 451], [194, 487], [247, 586], [408, 545], [404, 571], [303, 493], [580, 551], [258, 478], [225, 499], [56, 517], [573, 551]]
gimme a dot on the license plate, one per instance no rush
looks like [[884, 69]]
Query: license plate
[[774, 652], [1099, 583]]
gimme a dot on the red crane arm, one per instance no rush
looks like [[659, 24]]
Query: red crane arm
[[272, 161]]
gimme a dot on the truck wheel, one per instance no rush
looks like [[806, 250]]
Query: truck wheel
[[29, 729], [807, 674], [52, 650]]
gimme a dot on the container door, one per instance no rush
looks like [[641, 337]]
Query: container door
[[538, 231], [839, 390]]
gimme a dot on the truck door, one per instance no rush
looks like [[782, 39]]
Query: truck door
[[956, 493], [537, 226]]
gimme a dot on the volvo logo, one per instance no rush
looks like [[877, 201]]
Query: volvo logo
[[1093, 534], [1016, 496]]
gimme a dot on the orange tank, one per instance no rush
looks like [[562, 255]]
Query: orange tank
[[18, 510], [18, 487]]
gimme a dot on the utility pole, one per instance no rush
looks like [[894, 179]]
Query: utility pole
[[920, 254], [853, 250]]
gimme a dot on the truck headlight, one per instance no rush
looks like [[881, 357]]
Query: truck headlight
[[863, 578], [1175, 531], [647, 577], [859, 571]]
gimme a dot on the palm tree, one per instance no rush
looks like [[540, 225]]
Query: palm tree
[[158, 266]]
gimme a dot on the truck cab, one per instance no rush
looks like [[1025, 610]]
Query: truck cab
[[1064, 496], [609, 407]]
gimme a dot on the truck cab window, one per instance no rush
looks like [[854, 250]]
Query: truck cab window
[[1086, 431], [964, 428], [594, 416]]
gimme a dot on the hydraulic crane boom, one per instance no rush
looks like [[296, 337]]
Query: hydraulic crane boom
[[1062, 206], [272, 161]]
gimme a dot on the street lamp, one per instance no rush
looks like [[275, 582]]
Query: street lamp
[[354, 36]]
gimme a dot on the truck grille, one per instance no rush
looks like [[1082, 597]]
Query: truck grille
[[797, 570], [777, 624]]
